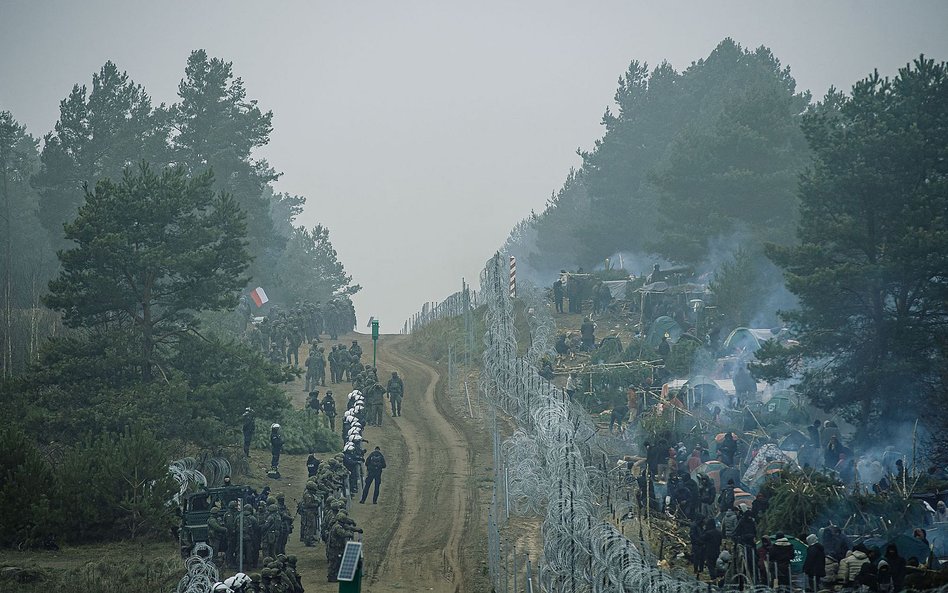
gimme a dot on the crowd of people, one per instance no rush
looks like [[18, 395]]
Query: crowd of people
[[723, 524], [280, 334], [331, 483]]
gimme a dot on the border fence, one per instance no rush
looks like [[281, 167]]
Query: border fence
[[456, 305]]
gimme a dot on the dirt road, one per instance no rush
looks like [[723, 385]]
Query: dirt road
[[426, 512]]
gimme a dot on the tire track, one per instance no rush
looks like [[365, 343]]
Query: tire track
[[425, 548]]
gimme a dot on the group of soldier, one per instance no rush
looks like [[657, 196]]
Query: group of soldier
[[279, 575], [281, 333], [331, 483], [323, 514], [260, 527]]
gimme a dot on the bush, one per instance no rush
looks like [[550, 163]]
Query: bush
[[303, 431], [112, 486], [27, 490]]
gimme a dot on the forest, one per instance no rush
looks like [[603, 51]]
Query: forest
[[132, 233]]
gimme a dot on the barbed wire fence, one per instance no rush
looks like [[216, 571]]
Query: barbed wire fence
[[553, 466]]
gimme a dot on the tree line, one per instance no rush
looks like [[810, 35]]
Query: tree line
[[130, 234], [114, 126]]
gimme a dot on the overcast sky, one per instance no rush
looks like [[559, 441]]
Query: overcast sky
[[421, 132]]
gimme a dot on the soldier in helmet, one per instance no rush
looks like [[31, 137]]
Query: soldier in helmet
[[230, 521], [309, 509], [329, 411], [355, 351], [320, 363], [343, 530], [272, 530], [217, 535], [287, 523], [248, 535], [395, 388]]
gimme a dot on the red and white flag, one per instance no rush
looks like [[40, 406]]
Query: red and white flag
[[259, 296]]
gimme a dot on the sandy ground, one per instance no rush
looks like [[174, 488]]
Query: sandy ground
[[426, 513], [427, 533]]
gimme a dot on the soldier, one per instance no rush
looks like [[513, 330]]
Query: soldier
[[333, 363], [355, 350], [309, 513], [217, 535], [352, 460], [272, 530], [249, 535], [276, 447], [395, 388], [374, 466], [343, 360], [355, 367], [329, 411], [320, 366], [294, 337], [374, 402], [249, 426], [310, 365], [287, 523], [343, 530], [294, 575], [230, 523], [312, 464]]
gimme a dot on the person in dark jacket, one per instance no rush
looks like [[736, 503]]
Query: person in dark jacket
[[712, 545], [276, 446], [374, 466], [896, 566], [697, 546], [814, 567], [780, 557], [728, 448], [587, 332]]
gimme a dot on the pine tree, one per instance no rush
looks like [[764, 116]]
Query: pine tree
[[871, 269], [151, 251]]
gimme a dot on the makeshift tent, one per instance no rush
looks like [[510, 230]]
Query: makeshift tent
[[779, 406], [747, 339], [617, 288], [742, 497], [769, 460], [712, 469], [661, 326], [793, 441], [703, 390], [730, 473]]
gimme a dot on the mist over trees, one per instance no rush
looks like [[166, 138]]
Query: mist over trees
[[728, 168], [113, 125], [128, 236], [871, 265]]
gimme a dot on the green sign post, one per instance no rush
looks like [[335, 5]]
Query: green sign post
[[375, 340]]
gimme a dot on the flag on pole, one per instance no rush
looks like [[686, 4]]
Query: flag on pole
[[259, 296]]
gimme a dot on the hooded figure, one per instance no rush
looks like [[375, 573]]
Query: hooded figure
[[814, 567]]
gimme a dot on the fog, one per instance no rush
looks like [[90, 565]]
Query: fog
[[420, 132]]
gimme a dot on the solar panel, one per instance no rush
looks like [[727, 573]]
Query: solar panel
[[350, 561]]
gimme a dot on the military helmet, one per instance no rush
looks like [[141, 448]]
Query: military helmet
[[215, 511], [271, 500], [273, 508], [232, 504]]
